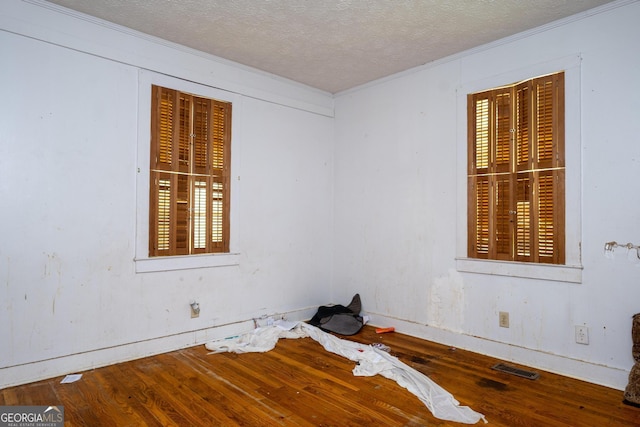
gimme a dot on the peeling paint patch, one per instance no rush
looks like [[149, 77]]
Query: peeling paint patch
[[446, 302]]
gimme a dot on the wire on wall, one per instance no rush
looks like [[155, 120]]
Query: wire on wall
[[609, 247]]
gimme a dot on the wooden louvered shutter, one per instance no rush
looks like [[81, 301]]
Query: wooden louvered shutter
[[516, 172], [219, 164], [524, 242], [211, 193], [549, 168], [540, 169], [502, 192], [478, 177], [490, 231], [162, 206], [190, 153], [200, 185]]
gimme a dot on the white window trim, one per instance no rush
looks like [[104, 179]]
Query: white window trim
[[571, 271], [143, 262]]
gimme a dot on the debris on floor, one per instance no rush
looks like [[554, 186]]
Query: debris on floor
[[381, 346], [369, 360]]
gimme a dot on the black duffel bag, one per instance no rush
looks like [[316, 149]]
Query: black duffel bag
[[343, 320]]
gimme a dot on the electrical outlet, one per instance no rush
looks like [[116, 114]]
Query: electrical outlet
[[582, 334], [503, 319], [195, 309]]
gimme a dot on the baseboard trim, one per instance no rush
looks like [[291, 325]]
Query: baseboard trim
[[607, 376], [77, 363]]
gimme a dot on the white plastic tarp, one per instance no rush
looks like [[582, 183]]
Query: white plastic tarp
[[369, 360]]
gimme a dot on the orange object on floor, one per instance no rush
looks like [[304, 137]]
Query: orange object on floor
[[385, 330]]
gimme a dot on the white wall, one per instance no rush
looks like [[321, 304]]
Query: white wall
[[70, 297], [398, 191], [385, 171]]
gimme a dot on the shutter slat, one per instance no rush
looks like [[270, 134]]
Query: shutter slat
[[184, 131], [522, 126], [201, 134], [482, 134], [523, 217], [546, 218], [165, 140], [544, 121], [482, 215], [502, 156], [181, 214], [503, 226]]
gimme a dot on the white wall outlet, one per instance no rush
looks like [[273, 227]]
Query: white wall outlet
[[195, 309], [582, 334], [503, 319]]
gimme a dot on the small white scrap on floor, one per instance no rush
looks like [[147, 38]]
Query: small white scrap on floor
[[370, 361], [71, 378]]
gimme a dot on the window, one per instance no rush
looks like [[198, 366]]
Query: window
[[189, 174], [516, 172]]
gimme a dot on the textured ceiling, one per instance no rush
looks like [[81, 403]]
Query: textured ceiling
[[331, 45]]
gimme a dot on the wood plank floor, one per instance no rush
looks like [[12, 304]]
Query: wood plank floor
[[301, 384]]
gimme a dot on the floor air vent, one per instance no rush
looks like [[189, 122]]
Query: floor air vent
[[516, 371]]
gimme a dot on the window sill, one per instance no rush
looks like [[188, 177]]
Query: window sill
[[148, 265], [551, 272]]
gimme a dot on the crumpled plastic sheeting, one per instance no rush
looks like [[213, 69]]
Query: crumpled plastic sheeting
[[370, 361]]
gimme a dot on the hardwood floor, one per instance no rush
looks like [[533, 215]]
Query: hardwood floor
[[300, 384]]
